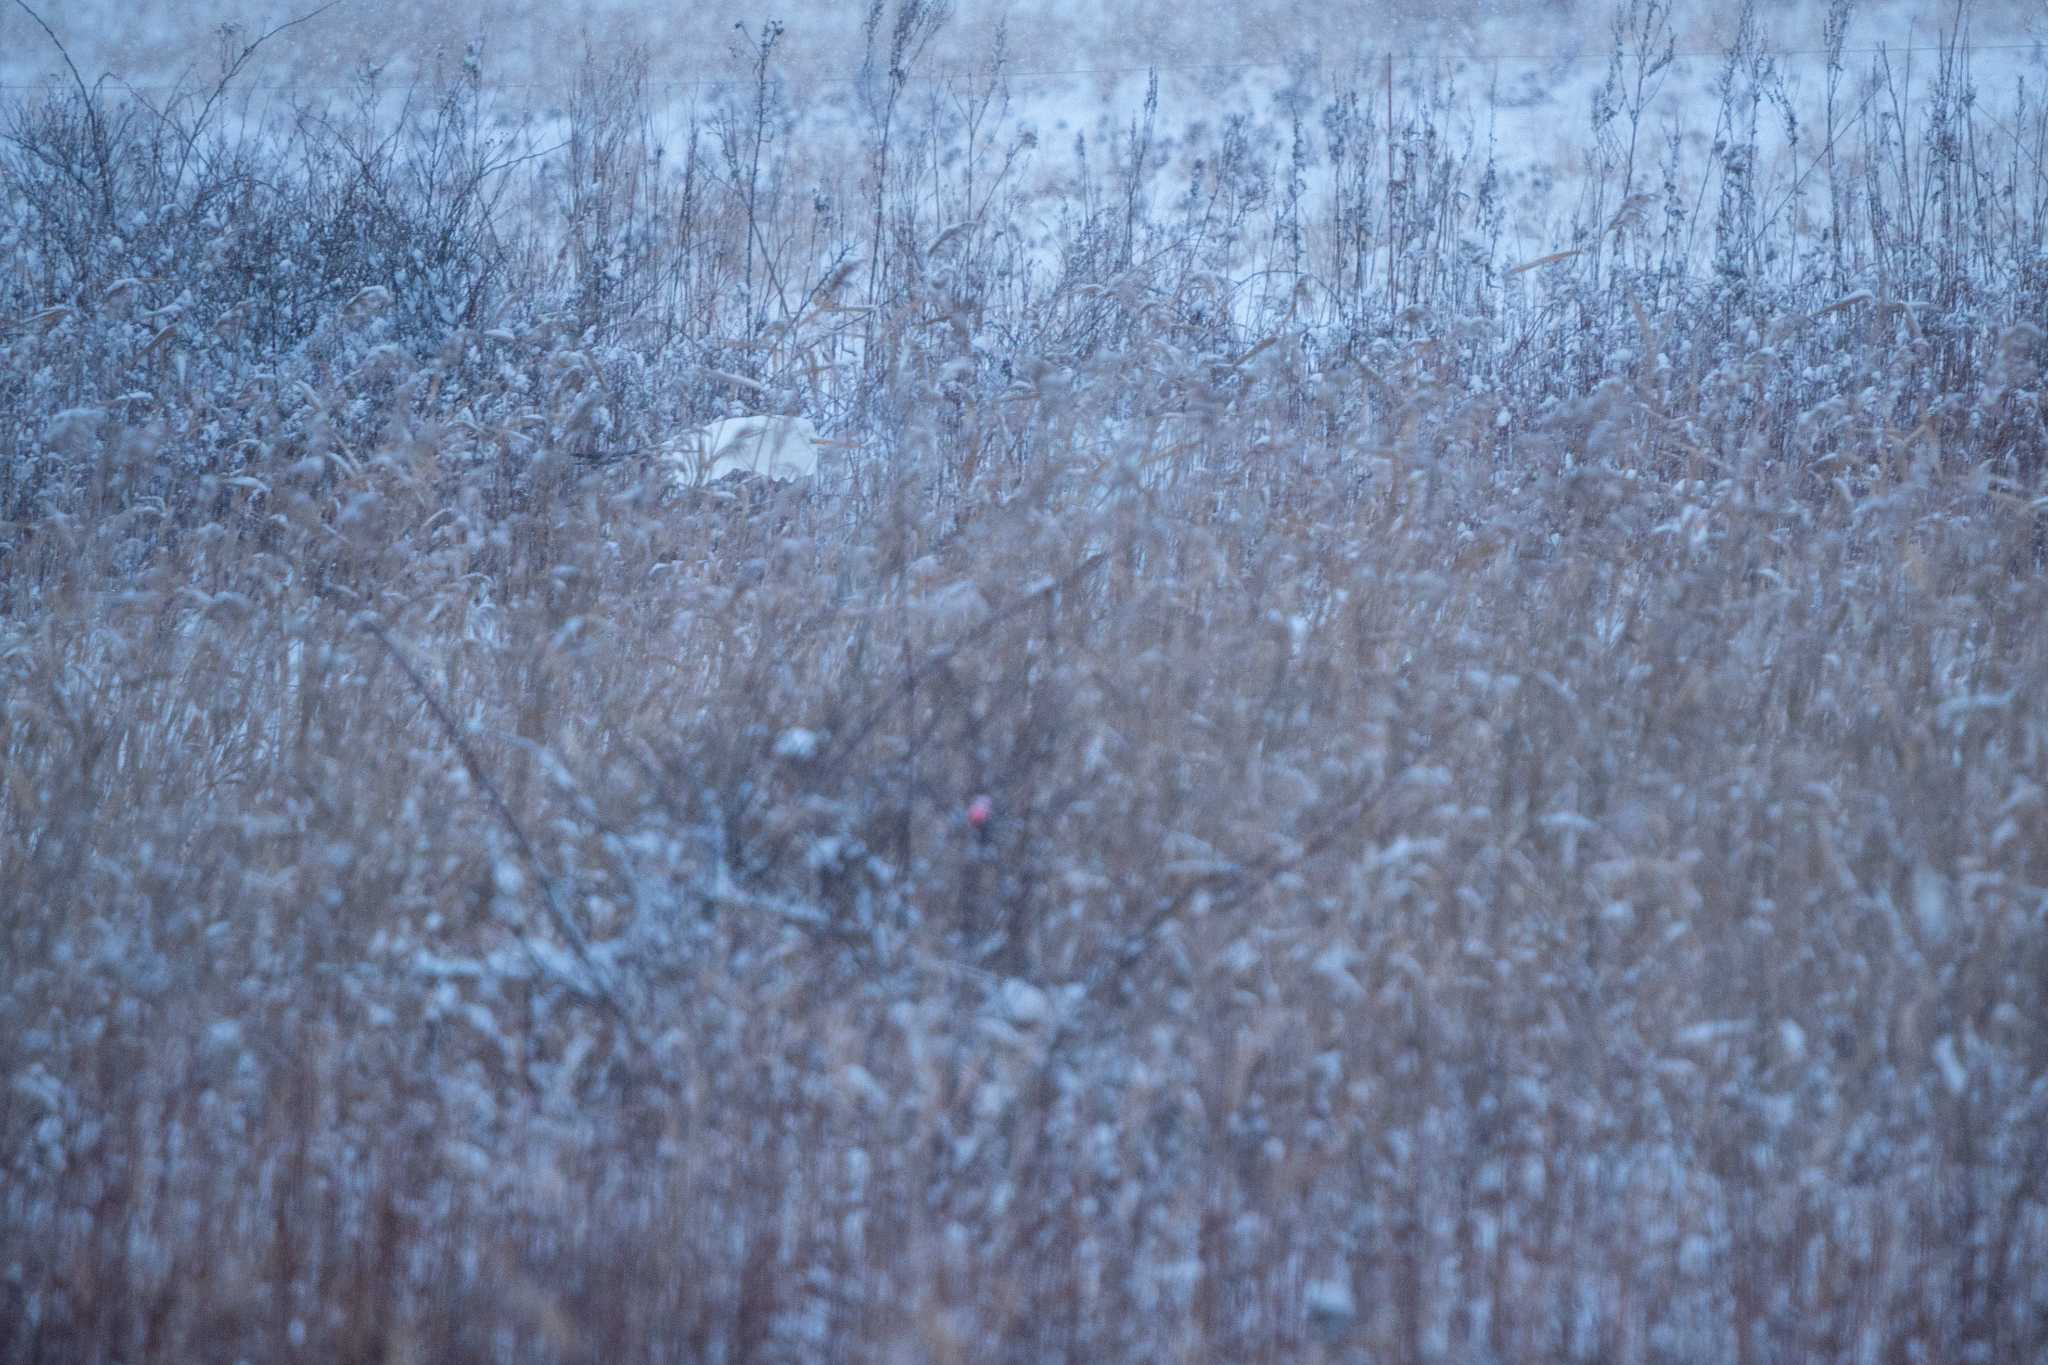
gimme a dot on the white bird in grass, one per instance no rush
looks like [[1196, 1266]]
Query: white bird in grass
[[768, 446]]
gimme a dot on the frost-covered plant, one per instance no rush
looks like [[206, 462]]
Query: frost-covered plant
[[1285, 795]]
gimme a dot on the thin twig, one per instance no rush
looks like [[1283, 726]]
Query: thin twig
[[102, 154], [599, 987]]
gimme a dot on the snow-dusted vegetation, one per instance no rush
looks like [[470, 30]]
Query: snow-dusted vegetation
[[1310, 779], [772, 447]]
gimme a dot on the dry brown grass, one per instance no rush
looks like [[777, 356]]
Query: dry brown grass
[[1520, 828], [424, 941]]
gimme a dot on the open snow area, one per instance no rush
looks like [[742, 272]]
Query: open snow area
[[1370, 685], [1518, 76], [540, 43]]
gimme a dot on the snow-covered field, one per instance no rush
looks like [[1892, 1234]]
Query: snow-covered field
[[1522, 75], [1376, 738], [540, 42]]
